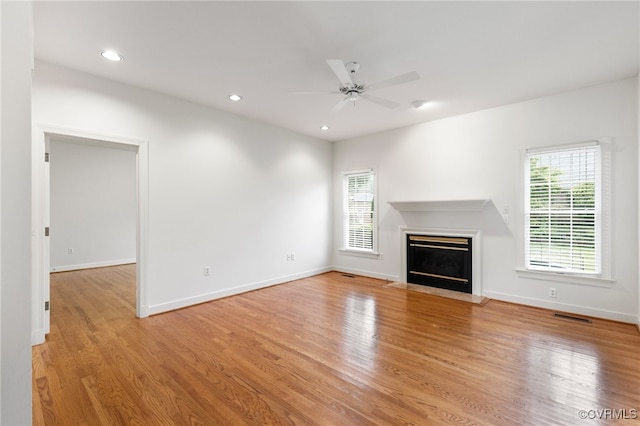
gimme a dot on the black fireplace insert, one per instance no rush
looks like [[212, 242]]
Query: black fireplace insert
[[440, 261]]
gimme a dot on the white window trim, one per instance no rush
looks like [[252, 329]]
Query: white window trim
[[361, 253], [373, 253], [606, 277], [594, 281]]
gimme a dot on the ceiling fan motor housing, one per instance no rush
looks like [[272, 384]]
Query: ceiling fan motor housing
[[356, 88], [352, 92]]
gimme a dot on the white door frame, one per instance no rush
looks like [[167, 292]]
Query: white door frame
[[40, 216]]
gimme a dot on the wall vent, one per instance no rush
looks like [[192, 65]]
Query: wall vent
[[571, 317]]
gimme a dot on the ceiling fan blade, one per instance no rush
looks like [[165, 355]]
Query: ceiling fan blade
[[341, 103], [399, 79], [380, 101], [339, 69]]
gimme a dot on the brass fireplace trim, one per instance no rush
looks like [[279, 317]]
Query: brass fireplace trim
[[440, 247], [446, 240], [462, 280]]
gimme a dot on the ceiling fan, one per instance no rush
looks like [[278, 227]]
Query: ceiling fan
[[353, 90]]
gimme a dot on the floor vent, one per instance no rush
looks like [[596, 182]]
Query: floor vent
[[348, 275], [571, 317]]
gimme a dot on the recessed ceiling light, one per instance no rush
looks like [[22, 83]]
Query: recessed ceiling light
[[235, 98], [111, 55], [324, 127]]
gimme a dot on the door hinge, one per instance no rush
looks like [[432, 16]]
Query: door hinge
[[46, 305], [46, 157], [46, 231]]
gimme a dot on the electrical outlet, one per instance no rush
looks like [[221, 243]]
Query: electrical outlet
[[288, 257], [69, 250], [207, 270], [293, 257], [552, 292]]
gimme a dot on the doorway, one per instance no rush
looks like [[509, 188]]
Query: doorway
[[43, 137]]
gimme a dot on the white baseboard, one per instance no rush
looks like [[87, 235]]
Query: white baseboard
[[37, 337], [144, 311], [91, 265], [368, 274], [190, 301], [563, 307]]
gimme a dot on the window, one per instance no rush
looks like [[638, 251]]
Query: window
[[563, 220], [359, 211]]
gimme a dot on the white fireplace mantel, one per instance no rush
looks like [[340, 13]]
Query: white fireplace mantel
[[439, 205]]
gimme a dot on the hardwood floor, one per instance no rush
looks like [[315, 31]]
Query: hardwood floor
[[327, 350]]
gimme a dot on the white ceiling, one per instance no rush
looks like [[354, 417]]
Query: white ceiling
[[469, 55]]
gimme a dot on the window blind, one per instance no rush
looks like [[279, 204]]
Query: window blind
[[359, 211], [563, 210]]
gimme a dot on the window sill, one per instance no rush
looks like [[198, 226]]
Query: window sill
[[358, 253], [565, 278]]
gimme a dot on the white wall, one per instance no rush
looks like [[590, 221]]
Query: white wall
[[224, 191], [476, 156], [15, 212], [93, 205]]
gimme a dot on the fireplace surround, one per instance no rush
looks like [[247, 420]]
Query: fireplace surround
[[415, 213]]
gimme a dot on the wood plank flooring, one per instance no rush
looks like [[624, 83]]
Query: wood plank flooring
[[327, 350]]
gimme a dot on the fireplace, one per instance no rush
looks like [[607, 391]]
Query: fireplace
[[456, 214], [440, 261]]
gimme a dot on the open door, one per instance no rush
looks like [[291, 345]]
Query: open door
[[41, 261]]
